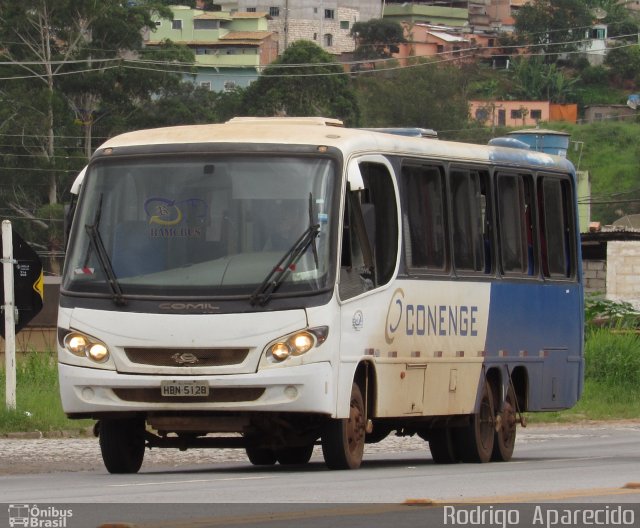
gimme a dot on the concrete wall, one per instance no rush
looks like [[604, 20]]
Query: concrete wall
[[623, 272], [595, 276]]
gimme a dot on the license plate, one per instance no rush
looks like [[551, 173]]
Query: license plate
[[184, 388]]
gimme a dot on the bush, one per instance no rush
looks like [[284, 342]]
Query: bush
[[613, 357], [603, 313], [595, 75]]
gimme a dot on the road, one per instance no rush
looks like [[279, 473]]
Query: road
[[587, 464]]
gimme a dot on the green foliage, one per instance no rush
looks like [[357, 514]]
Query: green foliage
[[548, 24], [613, 358], [605, 313], [304, 81], [38, 406], [535, 80], [595, 75], [377, 38], [624, 63], [391, 99]]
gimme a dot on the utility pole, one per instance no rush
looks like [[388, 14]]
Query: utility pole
[[9, 315]]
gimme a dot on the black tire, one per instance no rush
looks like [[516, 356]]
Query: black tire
[[122, 444], [474, 443], [261, 456], [343, 439], [505, 437], [291, 456], [442, 446]]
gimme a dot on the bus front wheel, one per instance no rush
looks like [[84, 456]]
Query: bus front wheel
[[343, 439], [122, 444]]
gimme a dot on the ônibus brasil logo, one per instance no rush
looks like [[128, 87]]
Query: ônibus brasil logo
[[32, 516]]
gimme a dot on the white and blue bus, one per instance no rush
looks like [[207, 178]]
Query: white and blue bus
[[295, 282]]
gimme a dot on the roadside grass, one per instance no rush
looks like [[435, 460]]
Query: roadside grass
[[612, 379], [38, 406], [611, 392]]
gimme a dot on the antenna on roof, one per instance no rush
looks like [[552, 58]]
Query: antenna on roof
[[599, 13]]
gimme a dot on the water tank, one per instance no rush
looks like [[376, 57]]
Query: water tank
[[549, 141]]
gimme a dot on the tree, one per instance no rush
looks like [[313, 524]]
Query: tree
[[304, 81], [535, 80], [44, 44], [552, 26], [187, 104], [624, 64], [424, 96], [377, 39]]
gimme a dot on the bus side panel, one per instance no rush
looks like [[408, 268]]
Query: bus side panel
[[426, 339], [524, 328]]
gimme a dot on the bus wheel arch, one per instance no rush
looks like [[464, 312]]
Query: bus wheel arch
[[474, 442], [343, 439]]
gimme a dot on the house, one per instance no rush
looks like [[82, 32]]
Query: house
[[520, 113], [327, 23], [230, 49], [607, 112], [428, 40]]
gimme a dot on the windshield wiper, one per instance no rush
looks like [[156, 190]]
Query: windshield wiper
[[279, 273], [103, 257]]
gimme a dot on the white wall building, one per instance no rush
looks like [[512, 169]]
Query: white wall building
[[328, 23]]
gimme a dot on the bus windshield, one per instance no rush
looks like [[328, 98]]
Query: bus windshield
[[205, 226]]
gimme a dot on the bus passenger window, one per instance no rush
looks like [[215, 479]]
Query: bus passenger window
[[556, 227], [470, 221], [514, 221], [424, 218]]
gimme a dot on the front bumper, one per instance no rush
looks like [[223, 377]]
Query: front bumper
[[304, 388]]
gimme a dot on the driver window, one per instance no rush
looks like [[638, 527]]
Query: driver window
[[370, 234]]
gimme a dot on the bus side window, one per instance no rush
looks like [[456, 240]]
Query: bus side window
[[556, 227], [517, 254], [470, 221], [370, 235], [424, 218]]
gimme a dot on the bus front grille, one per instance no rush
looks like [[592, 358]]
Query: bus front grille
[[186, 357], [222, 395]]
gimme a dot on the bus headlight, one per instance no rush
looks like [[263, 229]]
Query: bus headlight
[[84, 346], [298, 343]]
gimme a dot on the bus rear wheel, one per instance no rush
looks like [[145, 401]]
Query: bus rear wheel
[[505, 439], [122, 444], [343, 439], [474, 443]]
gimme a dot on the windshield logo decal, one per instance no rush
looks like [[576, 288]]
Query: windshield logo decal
[[176, 218]]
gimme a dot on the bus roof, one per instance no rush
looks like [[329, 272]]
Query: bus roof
[[308, 131]]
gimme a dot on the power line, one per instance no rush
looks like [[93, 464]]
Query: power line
[[173, 64]]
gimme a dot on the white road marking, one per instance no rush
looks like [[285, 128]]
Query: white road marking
[[165, 482]]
